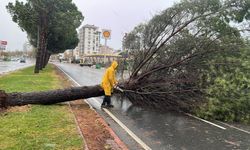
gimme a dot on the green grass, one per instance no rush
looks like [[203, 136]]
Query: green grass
[[26, 81], [39, 127]]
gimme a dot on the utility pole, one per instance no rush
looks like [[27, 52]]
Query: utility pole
[[106, 35], [72, 56], [104, 60]]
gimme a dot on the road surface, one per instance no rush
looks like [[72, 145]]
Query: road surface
[[160, 130], [7, 66]]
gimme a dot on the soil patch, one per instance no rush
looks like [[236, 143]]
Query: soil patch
[[95, 132], [19, 108]]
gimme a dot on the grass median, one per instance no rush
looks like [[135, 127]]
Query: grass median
[[37, 126]]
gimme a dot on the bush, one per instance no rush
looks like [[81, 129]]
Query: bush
[[6, 59]]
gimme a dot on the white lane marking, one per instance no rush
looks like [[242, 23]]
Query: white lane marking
[[206, 121], [242, 130], [136, 138]]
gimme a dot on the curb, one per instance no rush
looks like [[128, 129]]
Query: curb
[[78, 128], [112, 133], [15, 70]]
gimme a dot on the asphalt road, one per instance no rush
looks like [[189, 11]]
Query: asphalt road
[[158, 130], [7, 66]]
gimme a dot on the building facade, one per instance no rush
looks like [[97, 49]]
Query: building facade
[[106, 50], [89, 40], [76, 53]]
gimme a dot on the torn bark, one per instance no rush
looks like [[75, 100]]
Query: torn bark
[[49, 97]]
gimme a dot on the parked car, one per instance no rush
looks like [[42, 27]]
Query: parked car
[[22, 60], [75, 61], [85, 64]]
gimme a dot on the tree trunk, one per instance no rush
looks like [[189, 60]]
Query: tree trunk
[[46, 58], [38, 53], [44, 51], [44, 39], [49, 97], [41, 60], [42, 35]]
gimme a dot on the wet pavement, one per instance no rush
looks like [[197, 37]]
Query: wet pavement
[[161, 130], [7, 66]]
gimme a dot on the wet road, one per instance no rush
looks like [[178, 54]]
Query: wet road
[[13, 65], [162, 131]]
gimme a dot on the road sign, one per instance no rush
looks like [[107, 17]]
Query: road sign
[[106, 34], [3, 42], [3, 45]]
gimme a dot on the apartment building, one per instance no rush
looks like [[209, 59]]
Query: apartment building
[[89, 40]]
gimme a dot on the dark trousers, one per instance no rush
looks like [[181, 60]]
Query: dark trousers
[[106, 100]]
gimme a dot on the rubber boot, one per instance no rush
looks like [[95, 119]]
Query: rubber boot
[[109, 102]]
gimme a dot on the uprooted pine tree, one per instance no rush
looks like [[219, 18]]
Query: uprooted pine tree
[[172, 59]]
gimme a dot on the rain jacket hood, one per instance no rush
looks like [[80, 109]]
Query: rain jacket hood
[[114, 64], [109, 79]]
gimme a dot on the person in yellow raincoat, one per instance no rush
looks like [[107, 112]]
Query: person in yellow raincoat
[[108, 83]]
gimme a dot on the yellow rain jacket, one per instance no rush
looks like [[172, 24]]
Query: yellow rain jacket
[[109, 80]]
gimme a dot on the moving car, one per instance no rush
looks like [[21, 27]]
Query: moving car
[[22, 60]]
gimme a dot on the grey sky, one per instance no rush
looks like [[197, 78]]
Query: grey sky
[[118, 15]]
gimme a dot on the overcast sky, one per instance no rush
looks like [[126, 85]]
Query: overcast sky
[[120, 16]]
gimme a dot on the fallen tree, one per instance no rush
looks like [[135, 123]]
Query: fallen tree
[[49, 97], [179, 54]]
